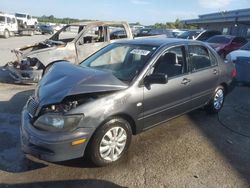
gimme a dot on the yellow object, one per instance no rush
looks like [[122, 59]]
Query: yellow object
[[77, 142]]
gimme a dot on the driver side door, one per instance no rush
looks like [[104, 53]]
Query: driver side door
[[164, 101]]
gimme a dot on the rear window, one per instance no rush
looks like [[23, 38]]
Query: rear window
[[219, 39]]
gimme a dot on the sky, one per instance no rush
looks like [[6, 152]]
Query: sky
[[146, 12]]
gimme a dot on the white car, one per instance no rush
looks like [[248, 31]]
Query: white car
[[26, 20], [8, 25], [244, 51]]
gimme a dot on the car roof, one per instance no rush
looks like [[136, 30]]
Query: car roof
[[97, 22], [158, 41], [226, 36]]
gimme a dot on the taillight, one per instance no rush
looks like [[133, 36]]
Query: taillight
[[234, 73]]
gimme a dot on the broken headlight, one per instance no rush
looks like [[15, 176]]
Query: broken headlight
[[63, 107], [57, 122]]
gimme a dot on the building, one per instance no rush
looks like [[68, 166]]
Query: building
[[235, 22]]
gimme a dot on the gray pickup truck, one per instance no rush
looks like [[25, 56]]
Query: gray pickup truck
[[74, 42]]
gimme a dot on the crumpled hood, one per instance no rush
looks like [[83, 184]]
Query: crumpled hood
[[65, 79], [34, 49]]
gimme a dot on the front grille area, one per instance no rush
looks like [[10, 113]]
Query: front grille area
[[32, 106]]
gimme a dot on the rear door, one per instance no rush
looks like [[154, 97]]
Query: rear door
[[204, 74]]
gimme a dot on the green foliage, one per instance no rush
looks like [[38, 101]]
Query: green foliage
[[173, 25], [52, 19]]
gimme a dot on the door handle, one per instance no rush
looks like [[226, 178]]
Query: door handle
[[215, 71], [185, 81]]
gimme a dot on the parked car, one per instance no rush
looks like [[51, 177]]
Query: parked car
[[153, 32], [74, 43], [118, 34], [244, 51], [46, 29], [26, 20], [123, 89], [224, 44], [177, 32], [8, 25], [241, 59], [201, 35]]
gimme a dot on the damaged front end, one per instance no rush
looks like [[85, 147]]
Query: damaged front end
[[27, 68], [27, 71]]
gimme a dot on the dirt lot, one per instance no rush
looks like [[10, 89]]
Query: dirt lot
[[194, 150]]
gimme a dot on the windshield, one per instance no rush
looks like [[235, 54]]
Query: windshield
[[246, 47], [68, 33], [124, 61], [20, 15], [219, 40]]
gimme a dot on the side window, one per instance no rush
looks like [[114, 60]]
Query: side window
[[94, 34], [13, 20], [198, 58], [117, 32], [172, 62], [8, 20], [69, 33]]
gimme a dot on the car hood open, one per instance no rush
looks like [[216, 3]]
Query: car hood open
[[65, 79]]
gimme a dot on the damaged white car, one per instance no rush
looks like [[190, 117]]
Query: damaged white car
[[74, 43]]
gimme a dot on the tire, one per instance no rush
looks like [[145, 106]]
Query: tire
[[31, 33], [6, 34], [25, 26], [103, 143], [217, 101]]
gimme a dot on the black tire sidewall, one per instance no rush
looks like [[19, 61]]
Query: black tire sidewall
[[93, 151], [210, 107], [6, 34]]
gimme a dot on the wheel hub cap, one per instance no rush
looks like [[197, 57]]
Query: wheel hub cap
[[113, 144], [218, 99]]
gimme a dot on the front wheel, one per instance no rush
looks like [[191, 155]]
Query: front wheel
[[110, 142], [217, 101], [6, 34]]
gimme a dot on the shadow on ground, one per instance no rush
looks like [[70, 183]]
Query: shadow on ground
[[228, 139], [4, 76], [12, 158], [89, 183]]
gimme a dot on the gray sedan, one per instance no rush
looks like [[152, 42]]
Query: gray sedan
[[125, 88]]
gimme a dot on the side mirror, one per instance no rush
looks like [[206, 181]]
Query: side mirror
[[156, 78]]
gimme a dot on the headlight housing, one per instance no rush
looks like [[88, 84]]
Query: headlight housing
[[57, 122]]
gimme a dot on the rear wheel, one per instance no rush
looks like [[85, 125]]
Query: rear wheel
[[6, 34], [217, 101], [110, 142]]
